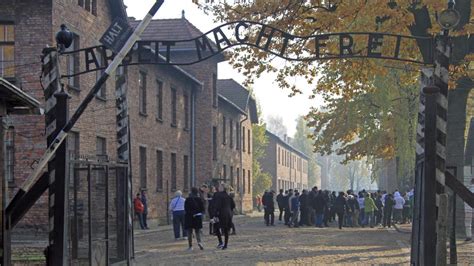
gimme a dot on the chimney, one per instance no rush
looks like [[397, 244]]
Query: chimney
[[285, 138], [183, 14]]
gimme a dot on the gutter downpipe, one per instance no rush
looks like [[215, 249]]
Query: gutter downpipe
[[241, 157], [193, 137]]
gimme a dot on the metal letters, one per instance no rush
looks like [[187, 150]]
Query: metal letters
[[263, 37]]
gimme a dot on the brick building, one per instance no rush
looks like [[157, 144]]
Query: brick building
[[161, 101], [287, 165], [173, 111], [26, 27], [233, 142]]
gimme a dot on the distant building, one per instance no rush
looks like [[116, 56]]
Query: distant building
[[287, 165], [234, 151]]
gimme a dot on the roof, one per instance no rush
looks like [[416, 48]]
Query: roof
[[118, 9], [16, 99], [238, 96], [286, 144], [177, 29]]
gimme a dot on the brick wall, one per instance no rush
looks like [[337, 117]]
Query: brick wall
[[32, 33], [206, 116], [229, 155], [154, 134], [288, 171]]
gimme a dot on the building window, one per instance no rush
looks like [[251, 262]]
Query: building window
[[72, 62], [89, 5], [173, 171], [278, 155], [159, 170], [249, 180], [214, 90], [237, 136], [243, 139], [243, 181], [101, 94], [214, 143], [224, 172], [224, 130], [142, 92], [248, 140], [231, 133], [174, 106], [159, 100], [186, 172], [7, 50], [73, 154], [143, 172], [186, 111], [238, 179], [10, 155], [231, 172], [101, 152]]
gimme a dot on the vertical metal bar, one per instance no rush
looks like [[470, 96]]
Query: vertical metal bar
[[59, 188], [416, 226], [89, 212], [167, 202], [106, 214], [442, 229], [453, 253], [428, 219], [75, 227]]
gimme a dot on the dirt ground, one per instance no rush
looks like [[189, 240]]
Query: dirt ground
[[256, 244]]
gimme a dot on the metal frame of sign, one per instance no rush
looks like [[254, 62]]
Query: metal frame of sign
[[268, 39]]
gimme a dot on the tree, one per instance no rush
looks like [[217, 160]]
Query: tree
[[276, 125], [378, 125], [261, 180], [302, 142], [348, 81]]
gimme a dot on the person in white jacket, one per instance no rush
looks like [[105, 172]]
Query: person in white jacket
[[398, 208], [468, 215]]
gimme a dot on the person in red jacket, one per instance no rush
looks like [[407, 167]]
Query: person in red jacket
[[139, 208]]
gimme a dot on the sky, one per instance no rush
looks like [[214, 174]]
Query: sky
[[273, 100]]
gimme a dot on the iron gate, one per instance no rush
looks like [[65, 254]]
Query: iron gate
[[98, 212]]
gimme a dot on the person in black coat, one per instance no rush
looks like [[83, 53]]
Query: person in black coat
[[319, 205], [286, 206], [340, 208], [194, 211], [223, 207], [311, 214], [387, 210], [304, 208], [327, 208], [280, 203], [269, 208]]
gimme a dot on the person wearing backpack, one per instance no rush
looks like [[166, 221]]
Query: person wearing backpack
[[194, 211], [139, 208]]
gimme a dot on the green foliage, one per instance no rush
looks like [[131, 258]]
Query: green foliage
[[261, 180], [302, 142], [380, 124]]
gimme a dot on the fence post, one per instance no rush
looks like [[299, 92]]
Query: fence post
[[428, 197], [58, 189], [442, 227]]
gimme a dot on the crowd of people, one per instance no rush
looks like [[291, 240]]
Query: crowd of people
[[321, 207], [188, 214]]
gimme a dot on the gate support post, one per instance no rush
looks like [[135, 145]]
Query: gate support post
[[58, 191], [428, 195], [441, 249]]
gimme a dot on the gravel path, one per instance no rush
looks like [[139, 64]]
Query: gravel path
[[256, 244]]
